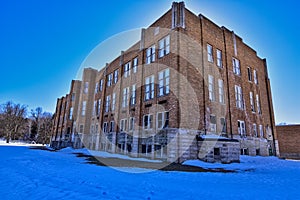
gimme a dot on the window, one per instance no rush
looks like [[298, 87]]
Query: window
[[213, 123], [101, 85], [221, 91], [105, 127], [254, 130], [133, 95], [241, 128], [223, 124], [127, 69], [116, 72], [107, 103], [96, 88], [236, 66], [219, 58], [162, 120], [249, 74], [109, 79], [261, 131], [164, 46], [149, 87], [92, 128], [255, 77], [97, 129], [164, 81], [81, 127], [258, 104], [135, 65], [156, 30], [239, 97], [99, 106], [252, 102], [123, 125], [125, 97], [83, 108], [71, 113], [211, 88], [112, 126], [150, 54], [86, 87], [94, 107], [73, 97], [113, 105], [131, 124], [209, 53], [148, 122]]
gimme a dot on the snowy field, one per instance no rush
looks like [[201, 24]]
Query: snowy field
[[37, 174]]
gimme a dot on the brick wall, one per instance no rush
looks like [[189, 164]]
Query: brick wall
[[289, 140]]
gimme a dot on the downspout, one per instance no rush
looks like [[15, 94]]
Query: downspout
[[227, 79], [203, 78]]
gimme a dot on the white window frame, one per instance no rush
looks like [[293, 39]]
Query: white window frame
[[241, 128], [96, 88], [135, 64], [86, 87], [210, 57], [149, 124], [71, 113], [164, 46], [255, 77], [131, 124], [127, 69], [164, 121], [164, 82], [150, 54], [219, 58], [249, 74], [239, 97], [258, 104], [254, 130], [125, 97], [94, 108], [252, 102], [211, 88], [149, 87], [99, 107], [223, 125], [101, 85], [221, 91], [81, 128], [261, 131], [83, 108], [213, 126], [123, 125], [113, 105], [107, 103], [105, 127], [116, 74], [236, 66], [112, 126], [133, 95], [109, 79]]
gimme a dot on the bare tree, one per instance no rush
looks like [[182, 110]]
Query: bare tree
[[42, 124], [13, 120]]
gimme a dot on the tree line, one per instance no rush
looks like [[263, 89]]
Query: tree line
[[17, 123]]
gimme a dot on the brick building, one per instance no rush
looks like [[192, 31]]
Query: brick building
[[188, 89], [288, 140]]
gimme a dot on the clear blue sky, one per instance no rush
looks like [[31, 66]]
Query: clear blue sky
[[43, 43]]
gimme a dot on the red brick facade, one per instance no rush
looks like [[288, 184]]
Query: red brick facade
[[196, 86], [289, 140]]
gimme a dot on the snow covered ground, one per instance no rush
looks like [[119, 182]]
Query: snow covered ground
[[37, 174]]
